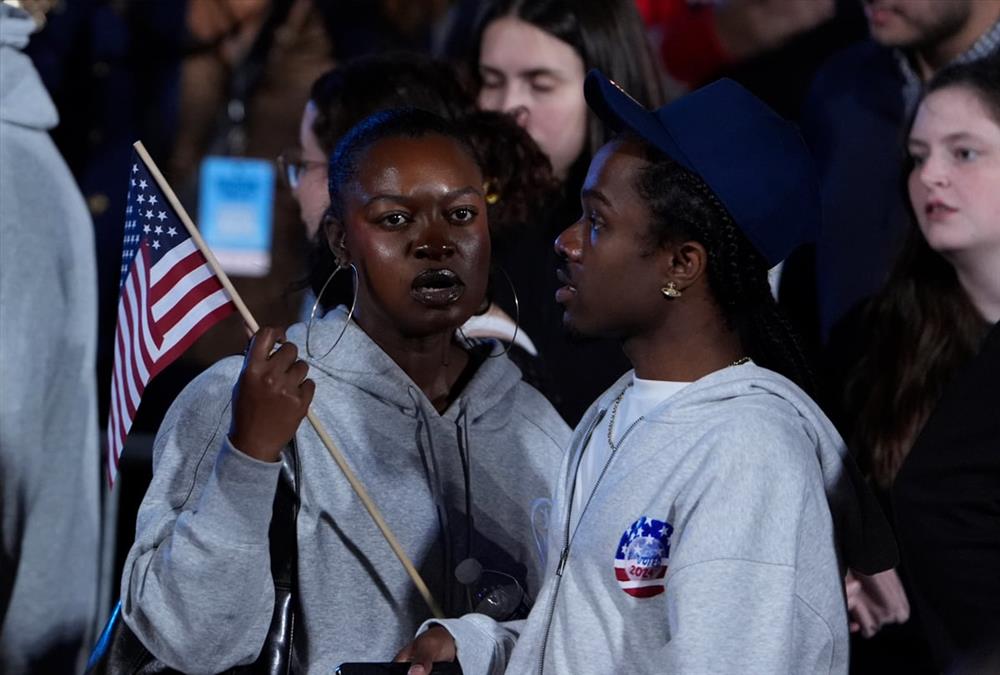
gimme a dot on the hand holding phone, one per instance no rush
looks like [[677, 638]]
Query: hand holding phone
[[433, 647], [386, 668]]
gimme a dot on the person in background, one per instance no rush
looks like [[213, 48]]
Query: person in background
[[50, 530], [699, 38], [917, 403], [853, 120], [242, 90], [113, 71], [342, 97], [771, 47], [528, 59], [519, 184]]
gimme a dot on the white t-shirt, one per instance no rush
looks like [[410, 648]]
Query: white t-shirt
[[640, 397]]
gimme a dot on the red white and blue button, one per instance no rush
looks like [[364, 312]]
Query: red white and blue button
[[641, 558]]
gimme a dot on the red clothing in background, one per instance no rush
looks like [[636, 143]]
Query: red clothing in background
[[689, 47]]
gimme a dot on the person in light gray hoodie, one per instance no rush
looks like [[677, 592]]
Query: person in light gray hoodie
[[458, 453], [707, 509], [50, 528]]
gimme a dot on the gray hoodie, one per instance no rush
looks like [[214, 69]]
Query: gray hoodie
[[49, 457], [197, 586], [709, 545]]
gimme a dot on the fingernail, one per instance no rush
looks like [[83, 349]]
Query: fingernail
[[415, 670]]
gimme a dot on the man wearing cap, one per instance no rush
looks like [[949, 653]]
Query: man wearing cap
[[707, 507]]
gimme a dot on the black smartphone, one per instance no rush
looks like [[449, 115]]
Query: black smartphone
[[385, 668]]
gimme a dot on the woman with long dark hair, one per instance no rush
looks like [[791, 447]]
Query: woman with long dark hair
[[706, 508], [939, 302], [528, 60], [920, 403]]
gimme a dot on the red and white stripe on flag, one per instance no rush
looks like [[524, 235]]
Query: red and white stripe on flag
[[169, 298]]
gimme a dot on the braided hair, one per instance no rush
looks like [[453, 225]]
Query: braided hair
[[684, 208]]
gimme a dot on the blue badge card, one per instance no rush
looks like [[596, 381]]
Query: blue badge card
[[235, 212]]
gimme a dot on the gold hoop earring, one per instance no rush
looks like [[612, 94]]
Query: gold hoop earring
[[312, 314], [517, 318], [671, 291], [492, 196]]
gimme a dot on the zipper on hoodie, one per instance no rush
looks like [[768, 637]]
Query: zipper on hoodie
[[567, 539]]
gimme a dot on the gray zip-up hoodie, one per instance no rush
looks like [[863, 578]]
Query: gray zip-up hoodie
[[197, 586], [707, 545]]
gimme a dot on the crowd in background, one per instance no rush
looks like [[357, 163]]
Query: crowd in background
[[898, 314]]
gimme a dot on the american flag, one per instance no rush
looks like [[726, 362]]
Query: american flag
[[169, 297]]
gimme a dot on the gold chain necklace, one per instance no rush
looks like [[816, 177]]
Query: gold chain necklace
[[611, 422], [618, 401]]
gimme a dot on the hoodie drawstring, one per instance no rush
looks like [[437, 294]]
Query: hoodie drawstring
[[464, 453], [424, 441]]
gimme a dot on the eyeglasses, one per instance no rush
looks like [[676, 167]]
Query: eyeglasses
[[292, 167]]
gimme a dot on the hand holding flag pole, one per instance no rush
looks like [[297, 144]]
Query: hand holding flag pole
[[248, 318]]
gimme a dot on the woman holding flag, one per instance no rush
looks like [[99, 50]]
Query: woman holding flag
[[457, 451]]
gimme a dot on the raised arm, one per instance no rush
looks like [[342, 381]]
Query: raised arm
[[197, 585]]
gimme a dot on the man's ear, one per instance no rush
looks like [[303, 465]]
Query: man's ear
[[685, 263], [336, 237]]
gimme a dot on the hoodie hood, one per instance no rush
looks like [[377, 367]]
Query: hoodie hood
[[358, 361], [863, 533], [491, 450], [23, 98]]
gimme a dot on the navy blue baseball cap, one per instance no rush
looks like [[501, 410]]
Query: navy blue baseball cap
[[754, 161]]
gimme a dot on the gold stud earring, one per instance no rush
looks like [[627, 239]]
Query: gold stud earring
[[671, 290]]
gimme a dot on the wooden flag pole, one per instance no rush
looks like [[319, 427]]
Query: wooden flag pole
[[196, 235], [356, 484]]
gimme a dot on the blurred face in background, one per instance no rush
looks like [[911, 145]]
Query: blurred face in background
[[309, 168], [955, 182], [916, 23], [538, 79]]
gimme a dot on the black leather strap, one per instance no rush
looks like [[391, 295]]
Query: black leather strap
[[120, 652]]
